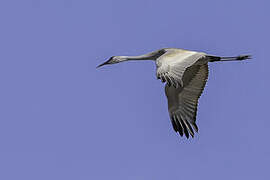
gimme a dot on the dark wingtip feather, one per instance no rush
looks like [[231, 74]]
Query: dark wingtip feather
[[195, 127], [180, 133], [191, 132], [179, 126], [185, 129], [174, 124]]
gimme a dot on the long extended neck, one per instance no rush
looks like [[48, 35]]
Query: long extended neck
[[149, 56], [141, 57]]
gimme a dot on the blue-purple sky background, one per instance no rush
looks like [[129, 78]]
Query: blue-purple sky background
[[61, 118]]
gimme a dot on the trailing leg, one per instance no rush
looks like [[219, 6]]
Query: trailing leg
[[235, 58]]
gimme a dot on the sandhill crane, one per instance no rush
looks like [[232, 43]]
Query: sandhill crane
[[185, 73]]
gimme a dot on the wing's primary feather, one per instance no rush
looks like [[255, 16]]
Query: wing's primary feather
[[183, 101]]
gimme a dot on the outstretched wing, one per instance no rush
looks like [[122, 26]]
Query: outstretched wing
[[183, 101], [172, 65]]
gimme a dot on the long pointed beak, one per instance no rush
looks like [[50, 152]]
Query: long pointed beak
[[107, 62], [102, 64]]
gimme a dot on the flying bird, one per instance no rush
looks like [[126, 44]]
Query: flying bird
[[185, 73]]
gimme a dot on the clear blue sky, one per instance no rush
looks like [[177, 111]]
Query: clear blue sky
[[61, 118]]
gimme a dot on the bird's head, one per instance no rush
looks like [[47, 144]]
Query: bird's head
[[113, 60]]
